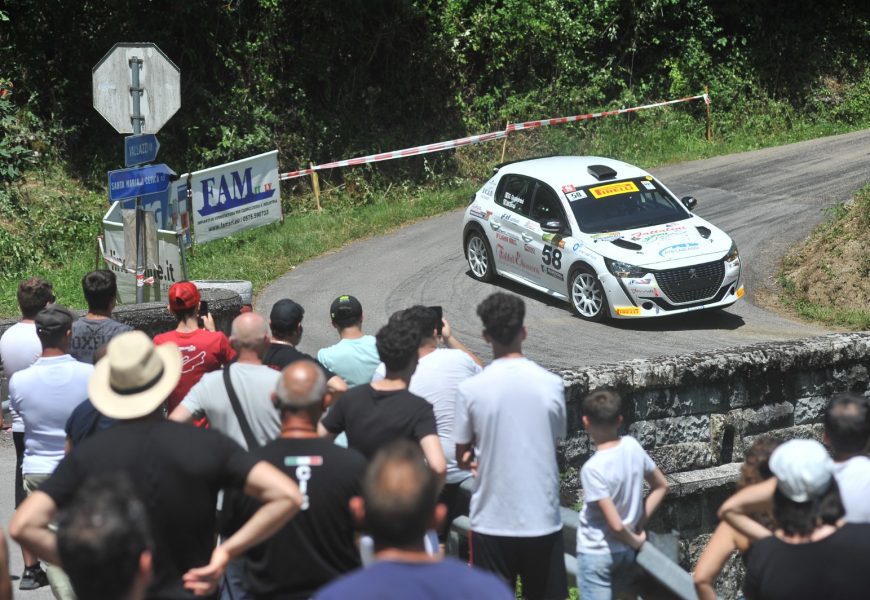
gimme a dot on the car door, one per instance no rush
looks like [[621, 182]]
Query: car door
[[547, 246], [513, 203]]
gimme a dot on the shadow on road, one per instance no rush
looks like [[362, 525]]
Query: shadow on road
[[716, 319]]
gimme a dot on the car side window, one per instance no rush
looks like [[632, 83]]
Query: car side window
[[515, 193], [546, 206]]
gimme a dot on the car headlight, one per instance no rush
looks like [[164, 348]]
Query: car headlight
[[621, 269], [733, 253]]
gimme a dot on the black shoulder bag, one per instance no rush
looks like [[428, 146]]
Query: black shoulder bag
[[226, 519], [240, 415]]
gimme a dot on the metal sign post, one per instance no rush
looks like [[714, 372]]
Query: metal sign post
[[136, 118], [156, 80]]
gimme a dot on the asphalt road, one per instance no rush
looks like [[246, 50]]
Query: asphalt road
[[7, 503], [765, 199]]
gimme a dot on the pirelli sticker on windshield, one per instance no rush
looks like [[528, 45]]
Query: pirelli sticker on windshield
[[603, 191]]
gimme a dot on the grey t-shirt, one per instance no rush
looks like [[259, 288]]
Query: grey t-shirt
[[89, 334], [254, 385], [514, 411]]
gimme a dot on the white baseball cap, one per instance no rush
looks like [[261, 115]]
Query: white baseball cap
[[803, 469]]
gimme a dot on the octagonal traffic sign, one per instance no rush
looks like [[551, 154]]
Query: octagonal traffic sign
[[159, 82]]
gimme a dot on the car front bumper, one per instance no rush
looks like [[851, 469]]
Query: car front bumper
[[643, 297]]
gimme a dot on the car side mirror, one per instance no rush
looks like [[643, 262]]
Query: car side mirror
[[552, 226], [689, 202]]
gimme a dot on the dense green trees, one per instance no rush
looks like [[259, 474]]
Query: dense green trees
[[323, 80]]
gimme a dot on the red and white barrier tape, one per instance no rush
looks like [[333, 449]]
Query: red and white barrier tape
[[436, 147], [607, 113], [477, 139]]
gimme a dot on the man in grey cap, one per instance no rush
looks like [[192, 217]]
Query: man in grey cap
[[44, 395]]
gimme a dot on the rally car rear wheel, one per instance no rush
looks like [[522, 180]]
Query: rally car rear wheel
[[479, 255], [586, 295]]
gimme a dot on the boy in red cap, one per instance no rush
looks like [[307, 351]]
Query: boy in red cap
[[202, 349]]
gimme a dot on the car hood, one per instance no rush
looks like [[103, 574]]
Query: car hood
[[676, 243]]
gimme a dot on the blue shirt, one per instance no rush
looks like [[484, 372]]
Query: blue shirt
[[445, 580], [85, 421], [354, 360]]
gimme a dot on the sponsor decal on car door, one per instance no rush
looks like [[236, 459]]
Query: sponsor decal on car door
[[549, 247], [508, 228]]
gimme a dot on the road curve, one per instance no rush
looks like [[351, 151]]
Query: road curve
[[765, 199]]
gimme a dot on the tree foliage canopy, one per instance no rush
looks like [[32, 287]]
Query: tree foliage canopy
[[326, 80]]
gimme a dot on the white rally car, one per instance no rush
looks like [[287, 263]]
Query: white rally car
[[604, 235]]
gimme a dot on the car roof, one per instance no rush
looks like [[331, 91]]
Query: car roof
[[558, 171]]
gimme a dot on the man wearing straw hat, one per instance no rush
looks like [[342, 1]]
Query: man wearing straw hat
[[174, 468]]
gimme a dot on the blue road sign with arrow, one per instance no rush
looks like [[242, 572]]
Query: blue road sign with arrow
[[140, 149], [139, 181]]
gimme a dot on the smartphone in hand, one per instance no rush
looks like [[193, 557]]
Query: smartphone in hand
[[440, 314], [203, 311]]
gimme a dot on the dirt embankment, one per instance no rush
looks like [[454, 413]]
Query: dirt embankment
[[828, 276]]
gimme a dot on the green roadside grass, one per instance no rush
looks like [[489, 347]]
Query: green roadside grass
[[366, 204], [825, 278]]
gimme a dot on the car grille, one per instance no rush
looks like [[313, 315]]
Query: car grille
[[690, 284]]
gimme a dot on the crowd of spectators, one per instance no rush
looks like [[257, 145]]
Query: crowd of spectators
[[199, 465]]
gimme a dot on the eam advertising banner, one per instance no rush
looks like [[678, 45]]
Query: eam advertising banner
[[233, 197]]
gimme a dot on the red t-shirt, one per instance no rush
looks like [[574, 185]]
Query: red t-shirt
[[202, 351]]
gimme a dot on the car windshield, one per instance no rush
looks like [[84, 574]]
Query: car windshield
[[626, 204]]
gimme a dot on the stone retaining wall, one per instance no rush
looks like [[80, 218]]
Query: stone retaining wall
[[697, 413]]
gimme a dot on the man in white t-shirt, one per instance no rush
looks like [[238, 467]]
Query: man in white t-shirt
[[508, 422], [437, 377], [19, 348], [44, 395], [252, 381], [614, 512], [847, 433]]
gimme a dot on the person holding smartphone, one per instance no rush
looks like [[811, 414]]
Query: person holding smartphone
[[203, 348]]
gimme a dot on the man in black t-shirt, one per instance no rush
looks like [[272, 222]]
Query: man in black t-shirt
[[319, 544], [374, 415], [285, 323], [175, 469]]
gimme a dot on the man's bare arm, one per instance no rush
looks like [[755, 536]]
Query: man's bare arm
[[431, 445], [281, 499], [451, 342], [465, 458], [181, 415], [29, 526]]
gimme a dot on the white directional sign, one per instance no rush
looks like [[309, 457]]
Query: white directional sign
[[159, 80]]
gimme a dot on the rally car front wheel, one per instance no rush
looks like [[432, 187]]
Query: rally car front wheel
[[586, 294]]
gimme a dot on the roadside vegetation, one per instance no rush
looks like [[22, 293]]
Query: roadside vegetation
[[827, 278], [261, 75]]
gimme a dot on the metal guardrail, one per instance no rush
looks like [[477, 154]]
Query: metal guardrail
[[657, 557]]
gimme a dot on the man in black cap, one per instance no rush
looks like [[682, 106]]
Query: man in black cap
[[44, 395], [285, 322], [355, 356]]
